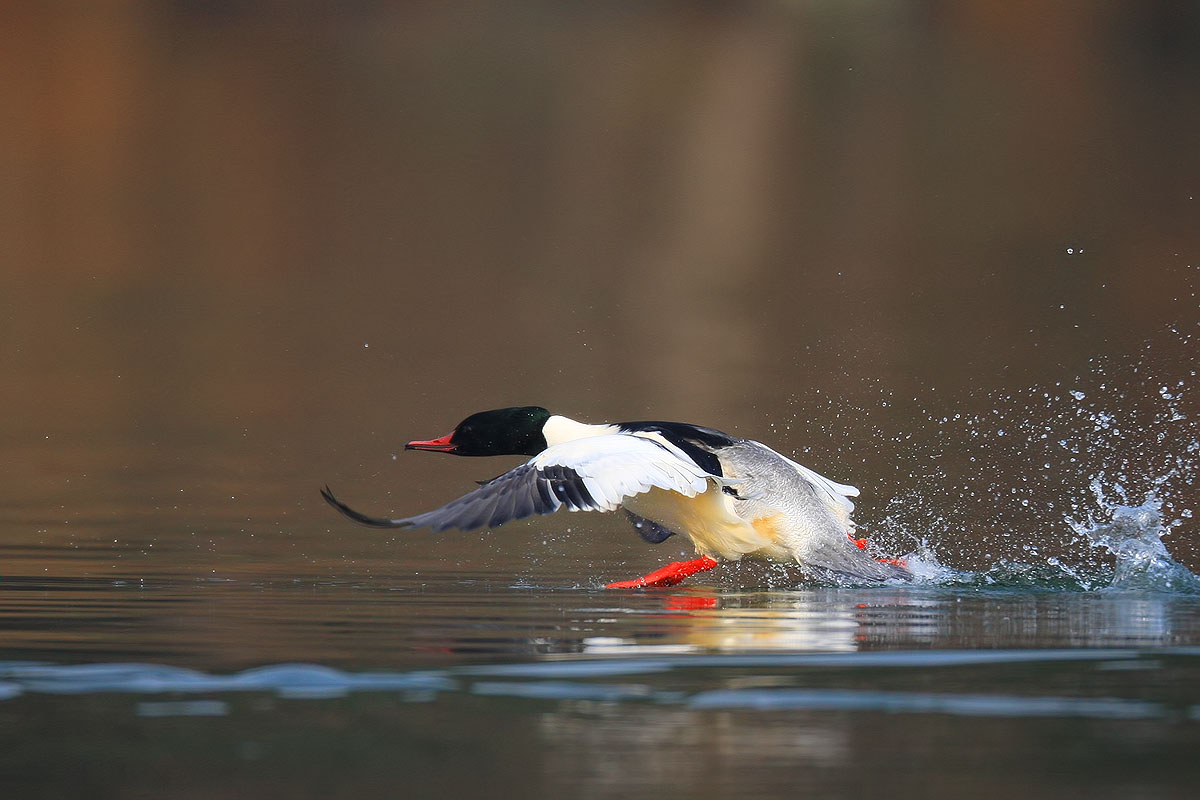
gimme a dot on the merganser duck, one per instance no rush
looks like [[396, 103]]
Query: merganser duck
[[732, 497]]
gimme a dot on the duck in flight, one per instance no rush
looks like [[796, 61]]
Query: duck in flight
[[732, 497]]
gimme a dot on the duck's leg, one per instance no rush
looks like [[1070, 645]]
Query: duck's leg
[[669, 575]]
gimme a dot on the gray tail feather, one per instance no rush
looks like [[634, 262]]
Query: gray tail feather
[[849, 561]]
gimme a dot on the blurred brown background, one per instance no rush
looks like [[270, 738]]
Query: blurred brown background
[[246, 248]]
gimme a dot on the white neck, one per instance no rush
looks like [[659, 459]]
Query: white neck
[[560, 429]]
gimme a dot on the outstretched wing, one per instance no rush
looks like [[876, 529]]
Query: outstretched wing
[[596, 473], [836, 496], [518, 493]]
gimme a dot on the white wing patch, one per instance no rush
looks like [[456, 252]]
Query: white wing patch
[[617, 466]]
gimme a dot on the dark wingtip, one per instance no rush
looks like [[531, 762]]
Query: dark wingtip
[[358, 516]]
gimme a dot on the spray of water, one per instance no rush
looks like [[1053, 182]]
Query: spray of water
[[1134, 537], [1078, 486]]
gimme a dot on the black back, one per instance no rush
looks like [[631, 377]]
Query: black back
[[698, 442]]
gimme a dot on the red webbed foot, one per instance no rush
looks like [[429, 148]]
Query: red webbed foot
[[669, 575]]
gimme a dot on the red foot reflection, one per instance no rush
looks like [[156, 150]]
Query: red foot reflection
[[685, 602]]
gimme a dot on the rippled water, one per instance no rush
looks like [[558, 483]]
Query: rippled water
[[945, 252], [316, 685]]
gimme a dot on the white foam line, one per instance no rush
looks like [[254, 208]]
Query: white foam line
[[969, 705], [869, 660]]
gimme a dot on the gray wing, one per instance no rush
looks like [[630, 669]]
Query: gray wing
[[815, 507], [836, 496], [518, 493]]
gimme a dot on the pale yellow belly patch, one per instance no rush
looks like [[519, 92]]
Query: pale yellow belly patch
[[708, 520]]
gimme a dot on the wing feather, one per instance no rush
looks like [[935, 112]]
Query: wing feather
[[835, 495], [596, 473]]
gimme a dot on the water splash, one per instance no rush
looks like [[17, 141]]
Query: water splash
[[1070, 486], [1131, 539], [1134, 537]]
